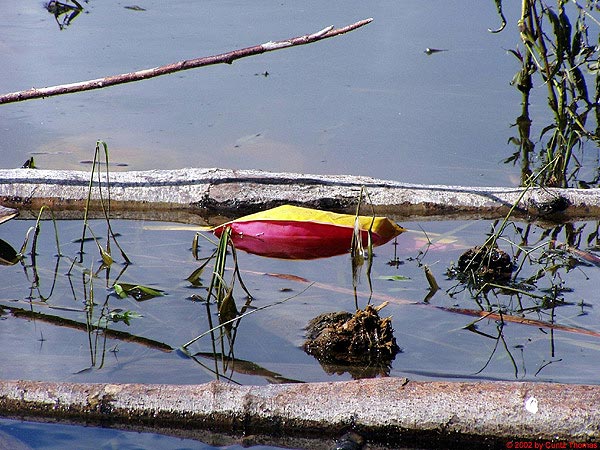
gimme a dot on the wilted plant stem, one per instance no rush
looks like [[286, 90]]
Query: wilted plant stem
[[105, 206]]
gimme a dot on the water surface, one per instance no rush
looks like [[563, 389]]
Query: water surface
[[22, 435], [367, 103], [435, 338]]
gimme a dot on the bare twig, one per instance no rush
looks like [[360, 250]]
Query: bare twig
[[226, 58]]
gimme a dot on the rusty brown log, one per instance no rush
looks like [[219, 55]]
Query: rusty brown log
[[391, 410], [187, 194], [223, 58]]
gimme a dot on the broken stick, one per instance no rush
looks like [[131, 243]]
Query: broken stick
[[223, 58]]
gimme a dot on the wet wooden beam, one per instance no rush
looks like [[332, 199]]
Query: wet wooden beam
[[391, 410], [230, 193]]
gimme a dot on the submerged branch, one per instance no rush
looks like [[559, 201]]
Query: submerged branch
[[223, 58], [469, 312]]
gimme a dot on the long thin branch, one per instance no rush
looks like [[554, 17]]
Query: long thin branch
[[223, 58]]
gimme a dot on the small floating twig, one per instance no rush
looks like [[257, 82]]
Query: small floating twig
[[431, 51]]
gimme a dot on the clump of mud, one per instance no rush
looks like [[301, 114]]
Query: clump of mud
[[359, 339], [488, 264]]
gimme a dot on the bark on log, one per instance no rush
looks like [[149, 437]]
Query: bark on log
[[187, 193], [392, 410], [223, 58]]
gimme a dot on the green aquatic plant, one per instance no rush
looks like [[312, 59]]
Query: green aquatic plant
[[560, 51], [101, 149], [33, 234], [221, 293], [358, 254], [137, 291], [538, 276], [98, 313], [125, 316], [539, 290], [487, 262]]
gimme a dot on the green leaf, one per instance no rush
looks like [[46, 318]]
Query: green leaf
[[195, 246], [8, 255], [118, 315], [194, 277], [119, 290], [106, 258], [394, 278], [150, 291], [137, 291], [227, 310]]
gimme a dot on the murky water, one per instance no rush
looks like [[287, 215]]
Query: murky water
[[368, 103]]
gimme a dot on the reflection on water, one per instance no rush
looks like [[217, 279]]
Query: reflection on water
[[64, 13], [66, 322], [21, 435]]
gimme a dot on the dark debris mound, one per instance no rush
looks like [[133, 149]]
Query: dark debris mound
[[485, 263], [362, 338]]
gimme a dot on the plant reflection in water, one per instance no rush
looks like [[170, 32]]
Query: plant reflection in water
[[536, 287], [64, 13]]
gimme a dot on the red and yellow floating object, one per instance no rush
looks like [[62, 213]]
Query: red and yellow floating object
[[294, 232]]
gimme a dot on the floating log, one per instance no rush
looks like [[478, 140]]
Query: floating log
[[232, 193], [394, 411]]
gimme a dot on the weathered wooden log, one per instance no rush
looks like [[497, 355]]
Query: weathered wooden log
[[391, 410], [210, 192]]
